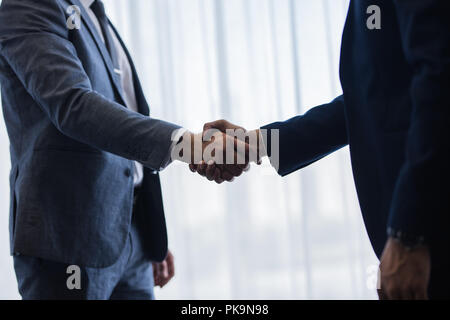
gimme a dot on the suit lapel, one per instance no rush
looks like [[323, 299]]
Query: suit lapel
[[142, 102], [102, 48]]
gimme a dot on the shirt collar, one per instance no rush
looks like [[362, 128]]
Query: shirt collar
[[87, 3]]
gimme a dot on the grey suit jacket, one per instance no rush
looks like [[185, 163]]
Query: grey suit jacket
[[73, 141]]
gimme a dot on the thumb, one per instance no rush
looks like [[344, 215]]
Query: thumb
[[221, 125]]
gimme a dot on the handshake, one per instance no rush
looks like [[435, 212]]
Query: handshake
[[220, 153]]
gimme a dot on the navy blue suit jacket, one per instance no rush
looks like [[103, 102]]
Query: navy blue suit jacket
[[395, 115], [73, 141]]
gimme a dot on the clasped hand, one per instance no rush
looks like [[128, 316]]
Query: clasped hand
[[220, 153]]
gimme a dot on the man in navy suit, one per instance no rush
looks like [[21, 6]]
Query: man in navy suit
[[86, 218], [395, 116]]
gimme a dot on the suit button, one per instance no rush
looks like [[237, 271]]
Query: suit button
[[128, 172]]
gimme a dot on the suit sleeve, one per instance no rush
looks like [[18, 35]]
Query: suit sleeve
[[34, 41], [421, 192], [306, 139]]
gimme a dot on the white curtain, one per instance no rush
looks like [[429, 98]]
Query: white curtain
[[251, 62]]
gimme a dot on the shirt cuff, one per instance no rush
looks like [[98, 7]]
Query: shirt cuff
[[262, 144], [176, 137]]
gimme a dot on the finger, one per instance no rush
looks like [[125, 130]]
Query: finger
[[227, 176], [394, 294], [193, 167], [383, 292], [159, 269], [222, 125], [420, 294], [243, 152], [219, 125], [406, 294], [165, 276], [211, 171], [240, 148], [224, 172], [218, 176], [164, 282], [217, 173], [201, 168], [164, 270], [236, 171], [171, 265], [381, 295], [155, 273]]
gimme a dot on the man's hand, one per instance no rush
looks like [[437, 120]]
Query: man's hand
[[220, 153], [222, 125], [219, 173], [164, 271], [244, 148], [405, 273]]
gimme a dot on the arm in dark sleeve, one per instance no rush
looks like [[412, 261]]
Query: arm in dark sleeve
[[34, 41], [306, 139], [422, 187]]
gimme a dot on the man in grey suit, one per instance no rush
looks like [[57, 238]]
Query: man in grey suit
[[85, 155]]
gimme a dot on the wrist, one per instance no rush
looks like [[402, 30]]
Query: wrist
[[186, 148], [408, 241], [262, 150], [196, 151]]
